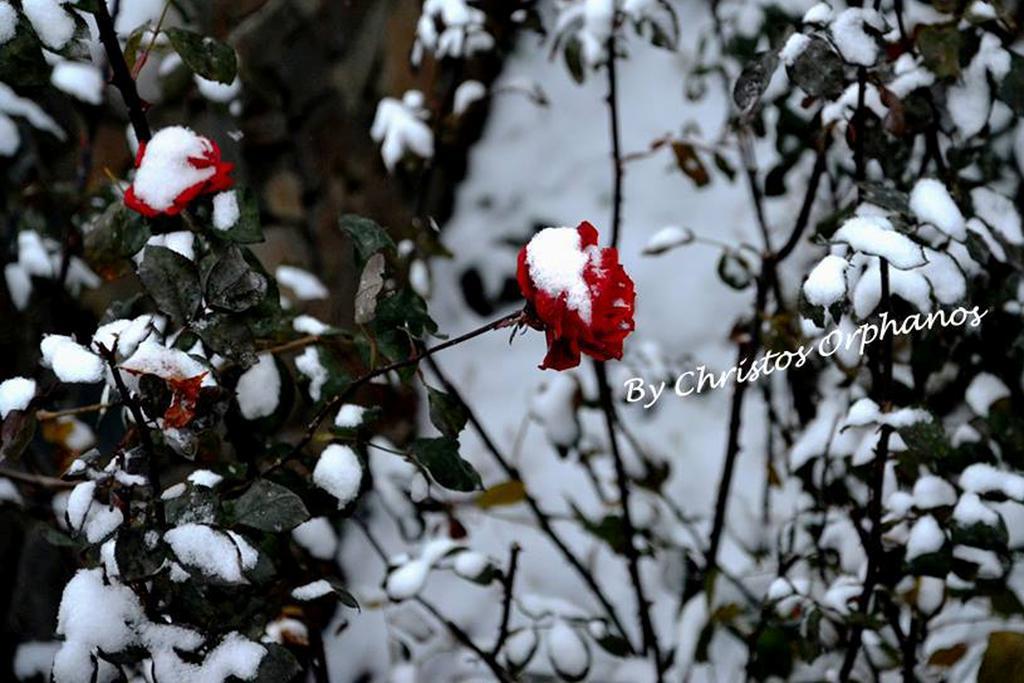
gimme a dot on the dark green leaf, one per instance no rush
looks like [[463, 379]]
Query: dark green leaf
[[233, 285], [207, 57], [277, 666], [939, 45], [248, 228], [367, 237], [135, 559], [446, 413], [268, 506], [818, 70], [21, 58], [440, 457], [172, 281], [611, 529], [1011, 89], [227, 335], [573, 53], [113, 237], [371, 282], [752, 83]]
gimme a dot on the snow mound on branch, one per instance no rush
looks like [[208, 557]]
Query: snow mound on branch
[[875, 235], [567, 651], [308, 363], [554, 406], [13, 105], [999, 212], [93, 616], [408, 579], [166, 171], [850, 36], [225, 210], [80, 80], [152, 357], [556, 263], [70, 361], [234, 657], [259, 388], [51, 22], [317, 536], [826, 283], [88, 516], [667, 238], [932, 492], [983, 391], [303, 284], [984, 478], [312, 591], [399, 126], [216, 91], [931, 203], [205, 478], [450, 28], [124, 335], [15, 394], [217, 554], [970, 510], [349, 416], [970, 100], [339, 472], [794, 47], [8, 21]]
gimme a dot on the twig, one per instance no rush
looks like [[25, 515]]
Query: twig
[[650, 637], [121, 76], [335, 401], [140, 425], [543, 519], [507, 583], [36, 479], [293, 344], [44, 415], [487, 658]]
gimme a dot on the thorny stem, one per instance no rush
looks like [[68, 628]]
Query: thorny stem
[[140, 425], [456, 631], [120, 75], [335, 402], [544, 520]]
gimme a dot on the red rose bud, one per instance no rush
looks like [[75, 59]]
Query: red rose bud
[[173, 168], [578, 293]]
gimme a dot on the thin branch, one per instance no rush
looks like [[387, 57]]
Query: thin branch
[[294, 344], [335, 402], [141, 427], [543, 519], [456, 631], [508, 584], [44, 415], [650, 637], [35, 479], [121, 77]]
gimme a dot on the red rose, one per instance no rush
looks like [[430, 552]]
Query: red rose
[[172, 169], [578, 293]]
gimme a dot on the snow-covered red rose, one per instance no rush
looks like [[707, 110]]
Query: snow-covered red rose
[[172, 169], [578, 293]]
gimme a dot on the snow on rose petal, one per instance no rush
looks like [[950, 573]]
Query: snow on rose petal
[[173, 168], [578, 293]]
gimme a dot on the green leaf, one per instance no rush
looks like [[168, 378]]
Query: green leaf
[[818, 70], [939, 45], [21, 58], [172, 281], [405, 309], [268, 506], [371, 282], [1003, 661], [207, 57], [233, 285], [278, 665], [440, 457], [611, 529], [448, 414], [1011, 89], [573, 54], [113, 237], [248, 228], [135, 559], [227, 335], [367, 237], [753, 81]]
